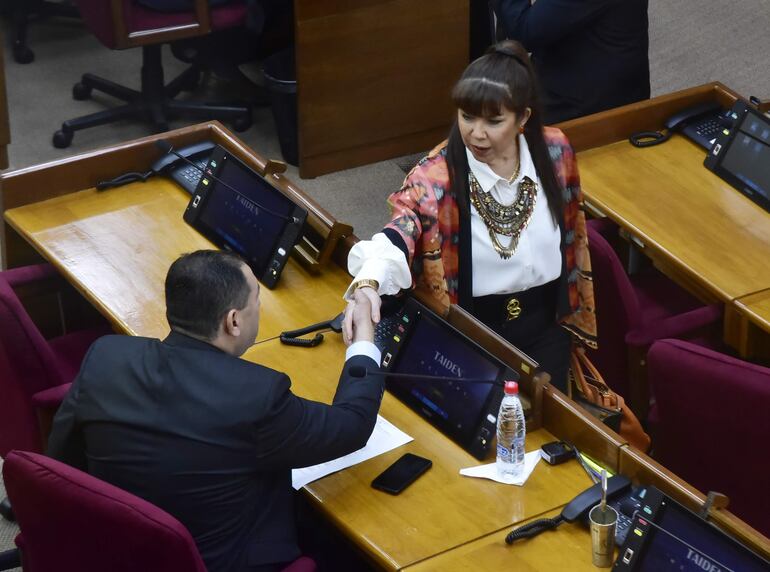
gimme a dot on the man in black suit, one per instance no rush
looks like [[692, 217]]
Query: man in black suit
[[208, 437], [590, 55]]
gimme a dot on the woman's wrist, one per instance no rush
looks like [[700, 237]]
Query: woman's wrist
[[365, 283]]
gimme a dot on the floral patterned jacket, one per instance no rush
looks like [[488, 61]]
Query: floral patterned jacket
[[426, 217]]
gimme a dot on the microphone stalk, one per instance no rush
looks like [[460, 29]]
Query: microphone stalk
[[166, 147]]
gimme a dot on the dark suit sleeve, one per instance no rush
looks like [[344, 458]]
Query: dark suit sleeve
[[66, 442], [546, 21], [299, 432]]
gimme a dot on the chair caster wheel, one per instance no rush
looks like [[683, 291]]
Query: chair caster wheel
[[6, 510], [62, 139], [81, 91], [23, 55], [242, 123]]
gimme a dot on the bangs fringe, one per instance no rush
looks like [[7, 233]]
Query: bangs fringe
[[482, 97]]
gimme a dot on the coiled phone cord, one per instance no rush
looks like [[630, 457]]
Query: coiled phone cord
[[533, 528]]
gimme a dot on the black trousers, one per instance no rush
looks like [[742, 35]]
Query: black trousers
[[535, 330]]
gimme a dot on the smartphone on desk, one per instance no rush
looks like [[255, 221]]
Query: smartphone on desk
[[402, 473]]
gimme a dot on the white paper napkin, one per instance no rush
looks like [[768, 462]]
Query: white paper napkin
[[489, 471]]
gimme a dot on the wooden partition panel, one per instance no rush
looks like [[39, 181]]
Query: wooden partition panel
[[373, 78], [567, 420]]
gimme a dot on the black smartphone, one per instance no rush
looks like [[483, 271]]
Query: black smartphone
[[402, 473]]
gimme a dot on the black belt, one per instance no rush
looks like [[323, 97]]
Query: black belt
[[502, 308]]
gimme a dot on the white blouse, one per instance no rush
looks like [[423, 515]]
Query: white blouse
[[536, 260]]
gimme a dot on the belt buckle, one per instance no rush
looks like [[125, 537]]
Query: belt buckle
[[513, 309]]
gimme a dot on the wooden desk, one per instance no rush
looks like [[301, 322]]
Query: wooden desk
[[374, 78], [748, 323], [116, 246], [693, 225], [567, 548]]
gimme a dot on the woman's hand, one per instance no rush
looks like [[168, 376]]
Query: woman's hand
[[363, 298]]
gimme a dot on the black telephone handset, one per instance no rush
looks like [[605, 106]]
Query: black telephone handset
[[182, 172], [170, 164], [169, 160], [679, 121], [575, 509], [701, 123]]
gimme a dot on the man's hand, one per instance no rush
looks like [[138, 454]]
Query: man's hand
[[361, 313]]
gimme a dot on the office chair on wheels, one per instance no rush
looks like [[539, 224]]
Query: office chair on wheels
[[122, 24], [21, 11]]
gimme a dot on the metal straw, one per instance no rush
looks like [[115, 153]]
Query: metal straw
[[604, 493]]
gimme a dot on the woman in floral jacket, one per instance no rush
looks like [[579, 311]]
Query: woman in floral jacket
[[491, 220]]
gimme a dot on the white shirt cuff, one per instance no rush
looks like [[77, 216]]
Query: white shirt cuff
[[363, 348], [379, 259]]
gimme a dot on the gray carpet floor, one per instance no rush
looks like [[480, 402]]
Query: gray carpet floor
[[691, 42]]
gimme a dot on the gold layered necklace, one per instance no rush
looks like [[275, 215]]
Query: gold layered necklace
[[508, 220]]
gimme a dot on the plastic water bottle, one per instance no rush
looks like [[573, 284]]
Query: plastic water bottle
[[511, 431]]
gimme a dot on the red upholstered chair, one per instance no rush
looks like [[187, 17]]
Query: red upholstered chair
[[122, 24], [71, 521], [711, 425], [35, 373], [632, 312]]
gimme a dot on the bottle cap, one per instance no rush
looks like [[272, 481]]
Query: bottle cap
[[511, 388]]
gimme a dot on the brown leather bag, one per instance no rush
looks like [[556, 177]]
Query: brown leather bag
[[595, 392]]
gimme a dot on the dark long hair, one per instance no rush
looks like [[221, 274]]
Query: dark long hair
[[502, 78]]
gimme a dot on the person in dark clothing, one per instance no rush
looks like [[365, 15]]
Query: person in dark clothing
[[590, 55], [208, 437]]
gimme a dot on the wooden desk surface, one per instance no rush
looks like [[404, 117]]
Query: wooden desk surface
[[566, 548], [99, 241], [682, 212]]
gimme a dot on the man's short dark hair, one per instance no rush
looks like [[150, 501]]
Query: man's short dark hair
[[201, 287]]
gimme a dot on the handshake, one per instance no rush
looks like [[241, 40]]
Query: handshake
[[361, 314]]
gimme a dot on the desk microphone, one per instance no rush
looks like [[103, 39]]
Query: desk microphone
[[360, 371], [166, 147]]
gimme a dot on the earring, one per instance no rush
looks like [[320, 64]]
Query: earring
[[521, 129]]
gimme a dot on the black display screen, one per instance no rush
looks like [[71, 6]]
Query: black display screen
[[748, 156], [435, 349], [240, 219], [689, 544]]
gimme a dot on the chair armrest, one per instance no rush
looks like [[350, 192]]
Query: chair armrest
[[52, 397], [675, 326], [127, 38], [30, 274]]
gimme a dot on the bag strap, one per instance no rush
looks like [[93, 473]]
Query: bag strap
[[590, 381]]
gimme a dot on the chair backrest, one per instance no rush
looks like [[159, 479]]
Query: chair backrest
[[713, 425], [27, 366], [120, 24], [617, 311], [71, 521]]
